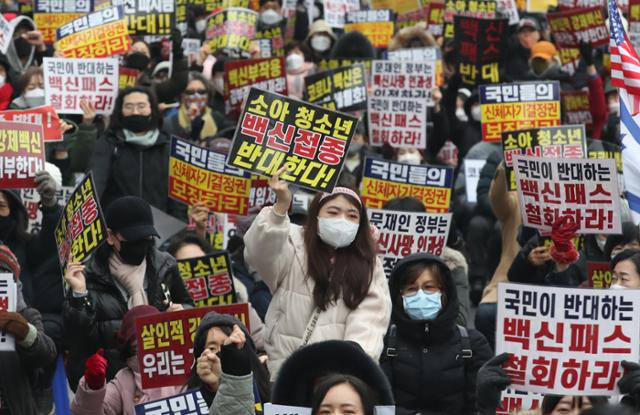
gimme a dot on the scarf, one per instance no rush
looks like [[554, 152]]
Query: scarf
[[147, 140], [209, 129], [131, 278]]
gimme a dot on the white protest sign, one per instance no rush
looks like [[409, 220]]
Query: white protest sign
[[191, 49], [190, 402], [584, 189], [472, 169], [272, 409], [567, 341], [8, 302], [513, 401], [6, 34], [335, 11], [31, 201]]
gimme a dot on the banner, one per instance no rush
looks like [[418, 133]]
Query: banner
[[512, 402], [565, 141], [480, 44], [208, 279], [518, 106], [44, 116], [22, 154], [8, 302], [397, 107], [31, 201], [165, 343], [81, 228], [49, 23], [399, 6], [63, 6], [429, 53], [598, 274], [412, 18], [261, 193], [576, 108], [100, 34], [384, 180], [376, 25], [197, 174], [151, 18], [68, 82], [481, 9], [232, 29], [583, 4], [406, 233], [191, 403], [584, 189], [472, 169], [6, 34], [276, 131], [240, 75], [334, 11], [213, 5], [127, 77], [326, 64], [341, 89], [435, 20], [566, 341], [271, 42]]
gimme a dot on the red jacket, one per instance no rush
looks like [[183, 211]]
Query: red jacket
[[599, 109]]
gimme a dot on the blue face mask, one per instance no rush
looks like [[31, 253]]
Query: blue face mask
[[422, 305]]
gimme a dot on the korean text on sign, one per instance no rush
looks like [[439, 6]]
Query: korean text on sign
[[584, 189], [197, 174], [406, 233], [576, 108], [8, 302], [81, 228], [518, 106], [565, 141], [276, 131], [571, 27], [376, 25], [513, 401], [165, 343], [232, 29], [481, 9], [566, 341], [31, 201], [48, 23], [334, 11], [598, 274], [68, 82], [208, 279], [146, 17], [342, 89], [384, 180], [21, 154], [6, 34], [44, 116], [187, 403]]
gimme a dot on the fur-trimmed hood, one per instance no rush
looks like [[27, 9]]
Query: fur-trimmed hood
[[409, 36], [454, 259]]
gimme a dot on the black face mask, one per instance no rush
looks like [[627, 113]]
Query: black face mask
[[138, 60], [7, 224], [134, 252], [137, 123], [23, 48]]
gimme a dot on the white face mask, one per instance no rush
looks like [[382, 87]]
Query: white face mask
[[410, 158], [461, 115], [218, 85], [201, 25], [321, 43], [270, 17], [34, 98], [476, 114], [294, 61], [614, 108], [617, 287], [601, 243], [337, 233]]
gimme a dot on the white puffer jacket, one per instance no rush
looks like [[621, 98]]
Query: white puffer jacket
[[275, 249]]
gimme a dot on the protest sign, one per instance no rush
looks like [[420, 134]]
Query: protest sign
[[68, 82], [435, 20], [6, 34], [31, 202], [273, 409], [539, 6], [127, 77], [399, 6], [232, 30], [100, 34], [63, 6], [240, 75], [152, 18], [165, 343], [49, 23], [271, 42], [191, 49], [208, 279], [342, 89], [215, 229], [326, 64], [406, 233], [385, 180], [598, 274], [472, 169], [44, 116], [584, 189], [576, 108], [8, 302], [199, 175], [512, 402], [261, 193], [480, 44], [634, 16], [429, 53], [571, 27], [376, 25], [565, 141], [21, 154], [190, 402], [481, 9], [397, 107], [276, 131], [566, 341], [81, 228], [580, 4], [213, 5], [518, 106], [610, 151], [335, 10], [412, 18]]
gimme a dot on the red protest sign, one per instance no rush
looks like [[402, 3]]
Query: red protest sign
[[571, 27], [45, 116], [21, 154], [598, 274], [165, 343]]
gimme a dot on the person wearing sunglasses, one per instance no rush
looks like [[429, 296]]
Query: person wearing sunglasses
[[195, 120]]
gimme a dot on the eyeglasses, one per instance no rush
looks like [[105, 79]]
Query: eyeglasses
[[140, 106], [195, 91], [428, 287]]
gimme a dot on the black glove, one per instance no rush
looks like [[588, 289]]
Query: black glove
[[586, 51], [629, 384], [234, 361], [176, 45], [46, 188], [491, 380]]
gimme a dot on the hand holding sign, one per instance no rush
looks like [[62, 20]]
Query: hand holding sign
[[283, 194], [75, 277], [13, 323]]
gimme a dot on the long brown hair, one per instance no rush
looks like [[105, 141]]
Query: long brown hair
[[344, 272]]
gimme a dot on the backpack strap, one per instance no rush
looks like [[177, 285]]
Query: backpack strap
[[466, 353], [391, 350]]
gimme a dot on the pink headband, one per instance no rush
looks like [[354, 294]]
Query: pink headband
[[343, 190]]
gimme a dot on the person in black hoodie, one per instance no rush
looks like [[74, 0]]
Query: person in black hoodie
[[430, 362]]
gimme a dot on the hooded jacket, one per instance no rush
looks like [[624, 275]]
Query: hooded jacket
[[12, 54], [422, 359]]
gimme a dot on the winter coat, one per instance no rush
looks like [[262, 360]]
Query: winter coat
[[424, 360], [90, 322], [235, 396], [169, 90], [275, 249], [125, 169], [457, 263], [22, 369]]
